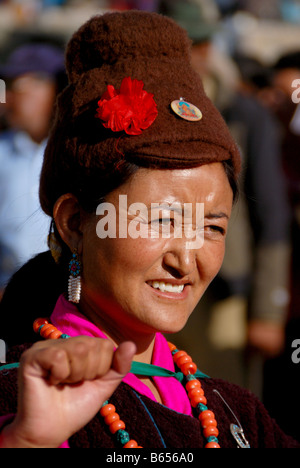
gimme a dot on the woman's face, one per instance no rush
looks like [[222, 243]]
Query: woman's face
[[154, 271]]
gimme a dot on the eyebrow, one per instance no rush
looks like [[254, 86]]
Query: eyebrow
[[217, 215], [180, 210], [162, 206]]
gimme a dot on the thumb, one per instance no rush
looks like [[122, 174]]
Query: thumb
[[121, 365], [123, 357]]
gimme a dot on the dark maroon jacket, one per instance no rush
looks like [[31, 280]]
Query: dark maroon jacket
[[155, 426]]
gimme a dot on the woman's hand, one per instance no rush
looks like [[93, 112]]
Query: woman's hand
[[62, 386]]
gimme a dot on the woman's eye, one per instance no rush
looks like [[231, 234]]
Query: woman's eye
[[162, 221], [216, 229], [165, 221]]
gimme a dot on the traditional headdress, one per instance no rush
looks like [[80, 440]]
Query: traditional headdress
[[129, 74]]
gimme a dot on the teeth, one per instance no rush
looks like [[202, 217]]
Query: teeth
[[167, 287]]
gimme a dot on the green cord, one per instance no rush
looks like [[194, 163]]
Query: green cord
[[10, 366], [149, 370], [138, 368]]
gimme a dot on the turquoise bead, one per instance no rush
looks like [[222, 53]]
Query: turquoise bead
[[122, 437], [64, 337], [201, 407], [212, 439]]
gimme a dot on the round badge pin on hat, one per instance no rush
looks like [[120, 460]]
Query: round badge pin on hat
[[186, 110]]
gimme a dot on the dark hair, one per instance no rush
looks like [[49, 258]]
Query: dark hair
[[233, 181], [31, 293]]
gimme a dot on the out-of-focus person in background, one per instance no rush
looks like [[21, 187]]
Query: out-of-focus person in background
[[281, 95], [33, 73], [247, 304], [147, 5]]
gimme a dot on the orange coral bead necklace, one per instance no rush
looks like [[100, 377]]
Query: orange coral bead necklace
[[192, 385]]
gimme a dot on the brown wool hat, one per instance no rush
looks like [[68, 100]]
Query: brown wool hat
[[147, 47]]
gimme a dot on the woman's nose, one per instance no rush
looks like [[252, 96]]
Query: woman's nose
[[179, 258]]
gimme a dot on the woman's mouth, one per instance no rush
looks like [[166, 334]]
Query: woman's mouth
[[167, 287], [169, 290]]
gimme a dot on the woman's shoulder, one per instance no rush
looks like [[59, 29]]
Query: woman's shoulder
[[234, 405], [9, 379], [14, 353], [8, 390], [9, 371]]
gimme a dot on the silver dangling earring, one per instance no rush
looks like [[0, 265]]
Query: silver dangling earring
[[74, 285]]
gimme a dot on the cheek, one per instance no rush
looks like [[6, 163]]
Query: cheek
[[119, 260], [131, 255], [210, 259]]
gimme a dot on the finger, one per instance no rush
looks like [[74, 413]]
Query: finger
[[70, 361], [91, 359], [49, 363]]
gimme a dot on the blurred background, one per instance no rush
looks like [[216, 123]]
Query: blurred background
[[248, 55]]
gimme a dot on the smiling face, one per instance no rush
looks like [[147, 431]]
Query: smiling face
[[157, 281]]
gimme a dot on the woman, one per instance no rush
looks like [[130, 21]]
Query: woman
[[141, 199]]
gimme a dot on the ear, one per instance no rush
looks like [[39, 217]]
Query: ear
[[68, 220]]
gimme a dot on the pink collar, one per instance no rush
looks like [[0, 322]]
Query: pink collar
[[70, 321]]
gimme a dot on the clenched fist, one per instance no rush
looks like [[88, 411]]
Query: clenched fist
[[62, 386]]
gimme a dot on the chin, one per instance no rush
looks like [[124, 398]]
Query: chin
[[172, 330], [169, 325]]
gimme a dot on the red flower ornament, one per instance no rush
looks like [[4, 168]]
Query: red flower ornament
[[129, 108]]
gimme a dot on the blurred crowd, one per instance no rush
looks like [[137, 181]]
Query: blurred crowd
[[248, 55]]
